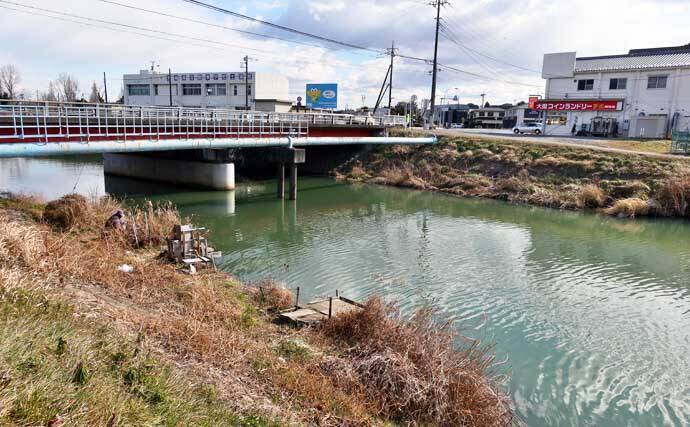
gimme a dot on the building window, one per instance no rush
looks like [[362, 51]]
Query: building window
[[176, 77], [249, 76], [184, 77], [215, 77], [234, 90], [657, 82], [241, 76], [191, 89], [249, 90], [618, 84], [557, 118], [208, 77], [232, 77], [216, 89], [223, 76], [585, 84], [137, 90], [199, 77], [191, 77]]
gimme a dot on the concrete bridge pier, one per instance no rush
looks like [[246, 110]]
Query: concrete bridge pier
[[291, 157], [192, 169]]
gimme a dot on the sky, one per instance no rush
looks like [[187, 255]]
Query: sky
[[497, 45]]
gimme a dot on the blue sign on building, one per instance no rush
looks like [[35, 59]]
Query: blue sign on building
[[322, 95]]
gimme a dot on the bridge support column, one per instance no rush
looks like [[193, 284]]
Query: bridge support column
[[281, 180], [293, 181], [207, 175]]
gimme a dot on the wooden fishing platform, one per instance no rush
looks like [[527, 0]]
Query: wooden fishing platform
[[318, 311]]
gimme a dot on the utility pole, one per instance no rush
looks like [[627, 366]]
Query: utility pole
[[105, 87], [170, 85], [246, 60], [438, 4], [390, 82]]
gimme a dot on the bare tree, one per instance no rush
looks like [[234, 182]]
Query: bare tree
[[66, 87], [50, 95], [9, 80], [95, 96]]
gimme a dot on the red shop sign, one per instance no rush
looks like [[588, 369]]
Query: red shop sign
[[565, 105]]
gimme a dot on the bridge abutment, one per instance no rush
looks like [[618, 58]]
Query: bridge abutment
[[172, 169]]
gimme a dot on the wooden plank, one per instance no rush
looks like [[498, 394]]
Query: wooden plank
[[339, 306]]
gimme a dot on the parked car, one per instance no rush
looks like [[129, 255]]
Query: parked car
[[457, 126], [534, 128]]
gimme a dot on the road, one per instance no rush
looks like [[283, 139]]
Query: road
[[658, 149]]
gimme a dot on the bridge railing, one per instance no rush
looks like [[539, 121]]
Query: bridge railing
[[54, 122], [26, 121]]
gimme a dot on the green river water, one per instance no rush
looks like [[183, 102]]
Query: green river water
[[589, 315]]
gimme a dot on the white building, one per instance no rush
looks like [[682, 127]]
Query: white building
[[521, 115], [266, 92], [643, 94]]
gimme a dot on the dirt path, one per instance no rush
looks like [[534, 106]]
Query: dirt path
[[593, 144]]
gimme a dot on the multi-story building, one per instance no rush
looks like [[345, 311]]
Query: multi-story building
[[262, 91], [644, 93], [487, 118]]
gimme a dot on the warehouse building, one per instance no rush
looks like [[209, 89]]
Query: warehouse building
[[234, 90], [642, 94]]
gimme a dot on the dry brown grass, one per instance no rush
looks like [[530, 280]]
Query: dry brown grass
[[674, 197], [591, 197], [628, 208], [270, 295], [414, 372], [66, 212]]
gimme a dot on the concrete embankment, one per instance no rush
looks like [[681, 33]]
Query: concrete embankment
[[557, 176]]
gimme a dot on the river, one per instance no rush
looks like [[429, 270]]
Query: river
[[591, 315]]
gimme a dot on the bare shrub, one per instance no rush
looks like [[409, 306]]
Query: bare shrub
[[270, 294], [591, 196], [66, 212], [414, 371], [629, 208], [674, 197]]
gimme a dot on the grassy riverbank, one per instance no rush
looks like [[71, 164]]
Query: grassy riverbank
[[564, 177], [83, 343]]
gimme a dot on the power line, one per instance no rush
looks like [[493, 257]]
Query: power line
[[184, 37], [196, 21], [280, 27], [132, 26]]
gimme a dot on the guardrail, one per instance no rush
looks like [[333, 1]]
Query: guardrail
[[43, 122]]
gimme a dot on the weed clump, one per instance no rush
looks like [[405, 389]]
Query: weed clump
[[674, 197], [628, 208], [270, 295], [414, 373], [591, 197], [66, 212]]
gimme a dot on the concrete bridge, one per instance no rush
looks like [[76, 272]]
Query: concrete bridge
[[182, 145]]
